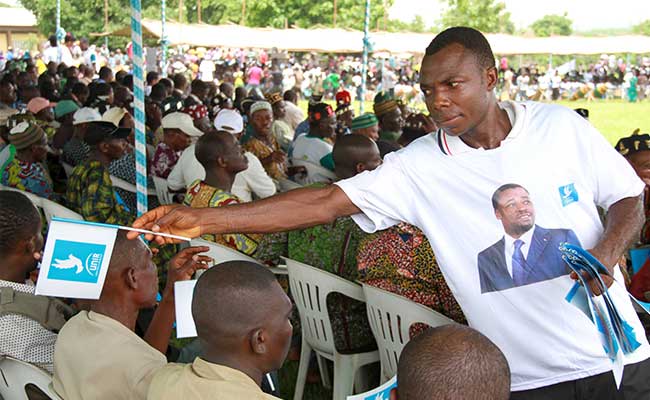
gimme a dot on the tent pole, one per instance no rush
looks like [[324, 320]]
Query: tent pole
[[138, 107], [163, 36], [364, 68]]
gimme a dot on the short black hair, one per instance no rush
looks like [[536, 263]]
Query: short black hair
[[211, 146], [19, 219], [452, 362], [199, 85], [348, 152], [105, 72], [290, 95], [387, 146], [152, 76], [469, 38], [501, 189]]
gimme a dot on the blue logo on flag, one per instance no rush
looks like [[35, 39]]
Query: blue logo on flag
[[76, 261], [568, 194]]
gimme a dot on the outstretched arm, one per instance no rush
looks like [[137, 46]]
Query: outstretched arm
[[291, 210]]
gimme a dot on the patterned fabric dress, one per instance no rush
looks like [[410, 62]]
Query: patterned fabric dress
[[400, 260], [164, 160], [90, 193], [267, 248], [30, 177], [333, 248], [263, 150]]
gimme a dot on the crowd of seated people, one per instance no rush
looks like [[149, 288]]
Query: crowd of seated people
[[66, 135]]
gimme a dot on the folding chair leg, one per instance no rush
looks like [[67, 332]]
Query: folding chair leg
[[305, 354], [343, 376], [324, 372]]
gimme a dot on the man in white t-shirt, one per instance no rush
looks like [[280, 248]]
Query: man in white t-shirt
[[443, 183]]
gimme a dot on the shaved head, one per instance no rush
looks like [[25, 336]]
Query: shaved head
[[211, 146], [242, 316], [353, 154], [452, 362]]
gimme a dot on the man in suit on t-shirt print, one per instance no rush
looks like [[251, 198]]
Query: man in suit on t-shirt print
[[527, 253]]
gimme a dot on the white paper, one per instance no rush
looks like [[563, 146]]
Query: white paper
[[183, 292], [380, 393], [75, 260]]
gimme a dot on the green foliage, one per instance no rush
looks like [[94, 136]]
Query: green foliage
[[485, 15], [550, 25], [416, 25], [643, 28]]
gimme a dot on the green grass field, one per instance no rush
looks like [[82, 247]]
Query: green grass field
[[613, 118]]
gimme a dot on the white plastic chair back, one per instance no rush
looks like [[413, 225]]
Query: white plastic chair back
[[310, 287], [52, 209], [315, 173], [220, 253], [36, 200], [162, 190], [390, 318], [67, 168], [124, 185], [16, 375]]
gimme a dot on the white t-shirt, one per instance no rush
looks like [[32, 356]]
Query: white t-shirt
[[443, 186], [311, 149], [251, 180]]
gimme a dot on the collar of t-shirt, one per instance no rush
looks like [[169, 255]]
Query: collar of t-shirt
[[216, 372], [454, 145], [510, 246]]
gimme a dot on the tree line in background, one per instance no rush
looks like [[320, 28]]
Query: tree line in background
[[83, 17]]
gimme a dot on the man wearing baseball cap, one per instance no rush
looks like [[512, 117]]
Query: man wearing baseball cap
[[26, 171], [90, 191], [42, 109], [251, 180], [76, 149], [178, 131], [64, 114]]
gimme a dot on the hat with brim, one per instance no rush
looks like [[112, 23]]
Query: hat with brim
[[65, 107], [633, 144], [364, 121], [37, 104], [85, 115], [102, 131], [114, 115], [182, 122], [25, 134], [230, 121]]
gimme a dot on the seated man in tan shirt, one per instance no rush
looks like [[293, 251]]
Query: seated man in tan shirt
[[97, 354], [243, 335]]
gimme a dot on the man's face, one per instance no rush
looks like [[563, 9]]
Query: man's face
[[147, 275], [515, 211], [180, 140], [327, 126], [371, 132], [393, 121], [8, 93], [234, 156], [45, 114], [456, 89], [262, 121], [641, 163], [278, 329], [346, 118], [115, 148], [39, 150], [279, 110]]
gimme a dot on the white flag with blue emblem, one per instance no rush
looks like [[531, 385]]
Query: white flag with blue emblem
[[75, 259]]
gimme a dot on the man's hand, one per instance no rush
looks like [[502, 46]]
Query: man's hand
[[607, 261], [172, 219], [183, 266]]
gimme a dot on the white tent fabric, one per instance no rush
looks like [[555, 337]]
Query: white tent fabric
[[328, 40]]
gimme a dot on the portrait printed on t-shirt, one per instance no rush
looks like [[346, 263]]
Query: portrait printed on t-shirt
[[527, 253]]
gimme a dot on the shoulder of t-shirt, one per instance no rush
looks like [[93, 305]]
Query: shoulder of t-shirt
[[564, 121]]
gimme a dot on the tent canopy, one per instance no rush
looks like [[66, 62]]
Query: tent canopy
[[350, 41]]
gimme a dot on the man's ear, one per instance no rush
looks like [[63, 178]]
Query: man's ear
[[360, 167], [102, 147], [491, 78], [497, 214], [130, 278], [258, 341], [221, 162]]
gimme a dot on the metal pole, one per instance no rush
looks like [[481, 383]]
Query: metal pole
[[180, 11], [198, 9], [138, 109], [106, 23], [366, 47], [58, 20], [334, 17], [243, 13], [163, 37]]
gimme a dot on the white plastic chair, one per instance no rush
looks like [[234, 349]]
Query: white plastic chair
[[220, 253], [17, 375], [67, 168], [315, 173], [310, 287], [162, 190], [124, 185], [50, 208], [390, 318]]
